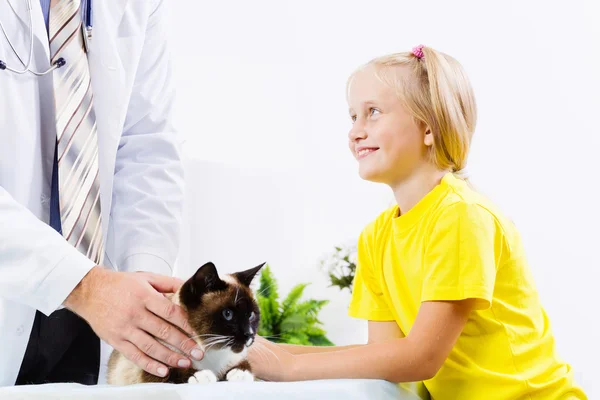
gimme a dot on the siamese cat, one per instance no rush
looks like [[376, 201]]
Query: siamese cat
[[224, 316]]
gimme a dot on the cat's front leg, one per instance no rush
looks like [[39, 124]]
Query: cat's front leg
[[240, 373], [176, 375], [203, 377]]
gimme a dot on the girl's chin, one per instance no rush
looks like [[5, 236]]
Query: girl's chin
[[371, 174]]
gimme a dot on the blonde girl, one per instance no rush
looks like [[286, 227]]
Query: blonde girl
[[442, 276]]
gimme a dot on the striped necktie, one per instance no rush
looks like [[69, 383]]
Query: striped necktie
[[77, 142]]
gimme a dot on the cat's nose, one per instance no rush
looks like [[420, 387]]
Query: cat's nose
[[249, 332]]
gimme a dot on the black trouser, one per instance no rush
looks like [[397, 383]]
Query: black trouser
[[61, 348]]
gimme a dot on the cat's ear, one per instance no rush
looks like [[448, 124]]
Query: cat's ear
[[245, 277], [206, 279]]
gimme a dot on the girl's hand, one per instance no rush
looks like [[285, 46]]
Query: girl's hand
[[269, 361]]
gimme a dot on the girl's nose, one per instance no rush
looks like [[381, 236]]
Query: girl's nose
[[357, 132]]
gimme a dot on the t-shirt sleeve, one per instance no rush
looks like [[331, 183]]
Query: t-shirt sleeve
[[460, 256], [368, 301]]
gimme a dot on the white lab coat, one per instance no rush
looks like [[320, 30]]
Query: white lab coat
[[141, 176]]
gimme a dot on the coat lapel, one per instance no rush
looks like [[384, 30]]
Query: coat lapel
[[12, 7], [14, 16]]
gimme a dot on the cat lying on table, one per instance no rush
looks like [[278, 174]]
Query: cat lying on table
[[225, 317]]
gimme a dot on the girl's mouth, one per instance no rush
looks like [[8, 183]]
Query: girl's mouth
[[365, 151]]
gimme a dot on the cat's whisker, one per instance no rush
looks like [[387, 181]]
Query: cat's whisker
[[215, 342], [271, 351], [260, 352], [213, 336], [208, 334], [267, 288], [269, 359], [197, 336], [271, 336], [260, 348], [264, 356], [220, 337], [218, 340], [209, 346], [237, 291]]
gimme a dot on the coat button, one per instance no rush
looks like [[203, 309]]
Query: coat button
[[20, 330]]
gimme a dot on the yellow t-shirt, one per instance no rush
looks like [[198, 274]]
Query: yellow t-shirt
[[454, 244]]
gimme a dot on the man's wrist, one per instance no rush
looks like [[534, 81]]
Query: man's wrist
[[81, 292]]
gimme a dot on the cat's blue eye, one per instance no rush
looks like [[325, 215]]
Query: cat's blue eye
[[252, 316], [227, 314]]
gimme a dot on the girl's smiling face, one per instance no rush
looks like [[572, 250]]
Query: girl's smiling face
[[387, 141]]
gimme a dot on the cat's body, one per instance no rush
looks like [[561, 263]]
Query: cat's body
[[225, 317]]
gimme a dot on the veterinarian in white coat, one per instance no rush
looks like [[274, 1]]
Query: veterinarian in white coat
[[140, 171]]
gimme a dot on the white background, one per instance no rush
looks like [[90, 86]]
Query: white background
[[262, 105]]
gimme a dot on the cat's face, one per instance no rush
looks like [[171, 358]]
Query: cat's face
[[223, 312]]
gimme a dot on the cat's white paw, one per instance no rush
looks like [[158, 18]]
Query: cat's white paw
[[239, 375], [203, 377]]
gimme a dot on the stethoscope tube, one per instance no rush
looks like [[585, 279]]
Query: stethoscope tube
[[57, 64]]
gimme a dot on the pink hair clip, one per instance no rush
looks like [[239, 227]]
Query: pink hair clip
[[418, 51]]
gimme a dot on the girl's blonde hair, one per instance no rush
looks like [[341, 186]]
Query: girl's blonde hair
[[436, 91]]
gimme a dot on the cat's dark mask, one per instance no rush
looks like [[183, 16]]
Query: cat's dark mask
[[223, 312]]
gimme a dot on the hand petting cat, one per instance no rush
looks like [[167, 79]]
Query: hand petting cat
[[221, 315], [128, 310]]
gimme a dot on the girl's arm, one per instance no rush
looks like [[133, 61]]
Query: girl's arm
[[378, 332], [416, 357]]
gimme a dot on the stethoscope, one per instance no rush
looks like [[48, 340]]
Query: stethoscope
[[87, 37]]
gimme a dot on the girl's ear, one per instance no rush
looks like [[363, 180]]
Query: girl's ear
[[428, 138]]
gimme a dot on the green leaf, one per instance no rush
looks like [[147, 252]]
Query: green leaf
[[266, 298], [269, 314], [268, 284], [294, 322], [297, 338], [292, 298], [315, 330], [311, 307]]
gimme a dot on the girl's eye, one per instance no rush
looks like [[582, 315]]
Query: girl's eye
[[371, 110], [227, 314], [353, 118]]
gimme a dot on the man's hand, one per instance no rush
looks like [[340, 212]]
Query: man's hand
[[126, 309]]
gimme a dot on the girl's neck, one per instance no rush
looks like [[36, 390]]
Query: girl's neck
[[411, 190]]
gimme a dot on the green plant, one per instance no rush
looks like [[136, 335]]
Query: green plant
[[290, 321], [340, 265]]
